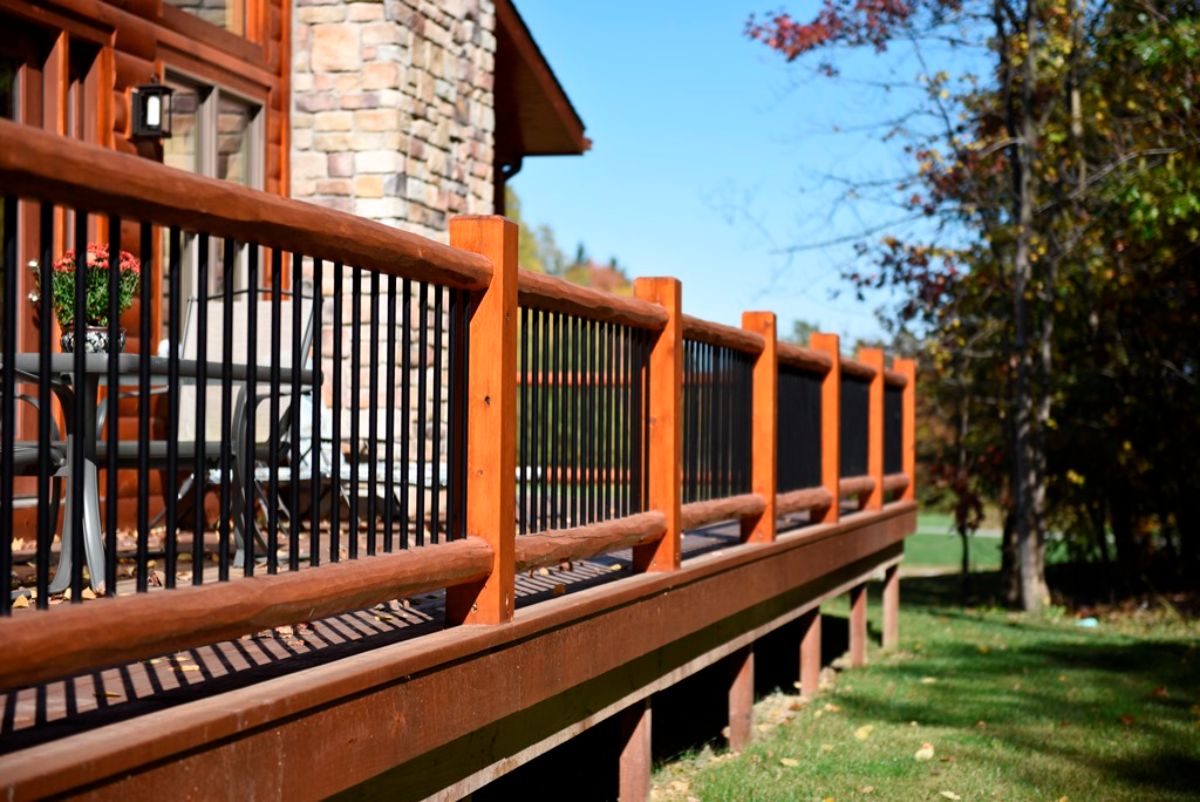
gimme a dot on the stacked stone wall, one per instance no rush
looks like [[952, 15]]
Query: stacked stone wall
[[393, 109]]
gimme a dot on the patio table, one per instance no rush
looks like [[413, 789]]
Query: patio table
[[62, 368]]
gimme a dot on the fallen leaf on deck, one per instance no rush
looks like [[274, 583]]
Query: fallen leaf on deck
[[790, 762], [925, 752], [110, 695], [560, 589], [614, 567], [543, 572], [88, 593], [951, 795], [20, 601], [864, 732]]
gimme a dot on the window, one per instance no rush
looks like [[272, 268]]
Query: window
[[227, 14], [218, 134]]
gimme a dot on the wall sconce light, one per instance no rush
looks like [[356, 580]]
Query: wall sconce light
[[152, 111]]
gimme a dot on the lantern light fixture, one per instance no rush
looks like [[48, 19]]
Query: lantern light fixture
[[152, 110]]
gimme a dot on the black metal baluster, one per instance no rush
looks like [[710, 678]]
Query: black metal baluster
[[46, 524], [355, 459], [8, 400], [318, 404], [112, 400], [81, 384], [557, 422], [249, 525], [461, 348], [228, 262], [199, 466], [273, 411], [146, 252], [406, 364], [297, 365], [543, 423], [627, 408], [639, 416], [389, 448], [373, 421], [335, 498], [422, 379], [576, 421], [436, 463], [523, 426], [174, 290]]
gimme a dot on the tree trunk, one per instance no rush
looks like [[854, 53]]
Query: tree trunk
[[1028, 493], [965, 537], [1010, 580]]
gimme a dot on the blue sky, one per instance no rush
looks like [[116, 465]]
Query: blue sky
[[711, 156]]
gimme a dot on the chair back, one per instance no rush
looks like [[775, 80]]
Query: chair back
[[215, 426]]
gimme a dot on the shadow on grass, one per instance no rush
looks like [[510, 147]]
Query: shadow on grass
[[1113, 704]]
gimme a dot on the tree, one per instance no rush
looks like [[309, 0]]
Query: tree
[[1081, 140]]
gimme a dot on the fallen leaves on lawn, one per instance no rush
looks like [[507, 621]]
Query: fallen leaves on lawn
[[1127, 720], [925, 752], [867, 789], [790, 762], [951, 796], [928, 680], [864, 732]]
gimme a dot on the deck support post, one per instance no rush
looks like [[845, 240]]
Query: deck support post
[[874, 358], [741, 698], [810, 654], [891, 607], [831, 413], [491, 430], [764, 439], [635, 761], [858, 626], [664, 462]]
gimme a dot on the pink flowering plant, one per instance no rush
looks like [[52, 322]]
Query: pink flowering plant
[[97, 284]]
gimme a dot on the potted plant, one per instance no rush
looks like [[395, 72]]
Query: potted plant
[[62, 295]]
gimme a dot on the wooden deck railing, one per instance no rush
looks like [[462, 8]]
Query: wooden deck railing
[[574, 410]]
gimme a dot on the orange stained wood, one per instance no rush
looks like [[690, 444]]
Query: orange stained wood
[[664, 462], [874, 358], [908, 427], [831, 413], [491, 433], [763, 445]]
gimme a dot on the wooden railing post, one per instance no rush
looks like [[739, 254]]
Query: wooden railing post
[[891, 607], [874, 358], [908, 428], [491, 421], [664, 460], [764, 419], [831, 414]]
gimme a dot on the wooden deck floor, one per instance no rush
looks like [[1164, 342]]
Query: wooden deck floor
[[42, 713]]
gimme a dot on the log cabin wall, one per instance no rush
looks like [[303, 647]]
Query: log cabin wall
[[76, 63]]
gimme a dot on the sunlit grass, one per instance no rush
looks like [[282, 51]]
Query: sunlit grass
[[1015, 707]]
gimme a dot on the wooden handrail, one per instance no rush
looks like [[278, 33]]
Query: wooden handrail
[[810, 498], [40, 647], [42, 166], [855, 485], [723, 336], [804, 358], [893, 379], [554, 294], [702, 513], [857, 369], [895, 481], [551, 548]]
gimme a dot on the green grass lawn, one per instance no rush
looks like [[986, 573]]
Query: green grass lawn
[[1015, 708], [935, 545]]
